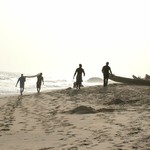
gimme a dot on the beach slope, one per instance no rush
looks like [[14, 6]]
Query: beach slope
[[94, 118]]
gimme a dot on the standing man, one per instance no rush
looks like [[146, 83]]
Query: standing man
[[106, 70], [22, 80], [40, 79], [79, 72]]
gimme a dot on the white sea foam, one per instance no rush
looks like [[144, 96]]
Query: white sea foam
[[8, 81]]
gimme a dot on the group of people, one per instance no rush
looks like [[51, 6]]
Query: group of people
[[106, 70], [22, 81]]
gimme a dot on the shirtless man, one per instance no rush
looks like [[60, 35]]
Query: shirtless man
[[22, 80], [106, 70], [40, 79]]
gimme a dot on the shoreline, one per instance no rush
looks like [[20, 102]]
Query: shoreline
[[45, 90]]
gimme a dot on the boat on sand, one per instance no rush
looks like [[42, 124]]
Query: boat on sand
[[129, 80], [135, 77], [147, 77]]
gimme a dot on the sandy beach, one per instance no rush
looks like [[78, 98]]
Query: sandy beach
[[94, 118]]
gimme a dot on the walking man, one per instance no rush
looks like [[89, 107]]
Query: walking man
[[22, 80], [40, 79], [106, 70], [78, 74]]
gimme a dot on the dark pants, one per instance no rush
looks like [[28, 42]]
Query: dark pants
[[106, 77], [78, 81]]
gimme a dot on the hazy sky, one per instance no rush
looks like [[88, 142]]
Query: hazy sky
[[54, 36]]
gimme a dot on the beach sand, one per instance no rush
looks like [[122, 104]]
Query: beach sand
[[93, 118]]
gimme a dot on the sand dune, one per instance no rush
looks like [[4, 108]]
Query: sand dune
[[94, 118]]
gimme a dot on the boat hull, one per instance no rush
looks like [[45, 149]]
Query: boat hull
[[129, 80]]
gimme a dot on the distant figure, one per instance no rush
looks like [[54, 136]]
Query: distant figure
[[79, 72], [106, 70], [22, 80], [40, 79]]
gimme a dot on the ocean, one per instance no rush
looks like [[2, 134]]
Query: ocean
[[8, 82]]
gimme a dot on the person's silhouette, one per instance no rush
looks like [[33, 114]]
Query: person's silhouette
[[40, 79], [79, 72], [22, 80], [106, 70]]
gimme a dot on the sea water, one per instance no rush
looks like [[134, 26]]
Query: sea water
[[8, 82]]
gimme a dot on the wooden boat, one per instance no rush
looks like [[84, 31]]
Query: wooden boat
[[135, 77], [147, 77], [129, 80]]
